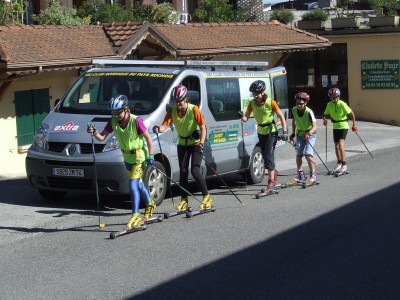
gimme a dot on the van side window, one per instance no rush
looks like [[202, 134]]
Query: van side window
[[223, 95], [192, 83]]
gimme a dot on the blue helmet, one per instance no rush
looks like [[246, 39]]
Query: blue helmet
[[118, 102]]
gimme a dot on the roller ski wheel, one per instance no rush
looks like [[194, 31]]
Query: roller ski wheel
[[266, 192], [177, 213], [115, 234], [309, 183], [152, 220], [197, 212], [337, 174]]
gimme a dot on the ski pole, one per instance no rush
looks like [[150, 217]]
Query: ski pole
[[365, 146], [319, 157], [220, 178], [326, 143], [101, 225], [181, 187], [163, 162], [244, 157]]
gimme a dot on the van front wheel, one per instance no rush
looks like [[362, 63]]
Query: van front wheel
[[155, 182], [255, 173]]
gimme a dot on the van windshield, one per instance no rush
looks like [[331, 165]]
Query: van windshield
[[91, 93]]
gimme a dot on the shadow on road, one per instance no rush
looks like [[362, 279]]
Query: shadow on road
[[349, 253]]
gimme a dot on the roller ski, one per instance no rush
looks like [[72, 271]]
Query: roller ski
[[197, 212], [136, 224], [177, 213], [114, 235], [270, 190], [309, 182], [205, 207], [342, 172], [298, 180], [267, 192], [181, 208]]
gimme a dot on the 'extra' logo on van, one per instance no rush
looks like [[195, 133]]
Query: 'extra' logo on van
[[67, 127]]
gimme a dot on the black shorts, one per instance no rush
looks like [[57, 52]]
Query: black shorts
[[339, 134]]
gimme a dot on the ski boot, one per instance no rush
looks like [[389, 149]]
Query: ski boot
[[343, 169], [183, 205], [206, 203], [300, 176], [148, 211], [134, 221], [270, 185], [337, 168]]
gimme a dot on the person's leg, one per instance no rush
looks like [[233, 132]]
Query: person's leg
[[300, 145], [183, 159], [196, 173], [135, 174]]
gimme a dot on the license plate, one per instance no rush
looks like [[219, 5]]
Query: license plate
[[68, 172]]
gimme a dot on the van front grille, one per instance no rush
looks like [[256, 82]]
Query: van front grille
[[86, 148]]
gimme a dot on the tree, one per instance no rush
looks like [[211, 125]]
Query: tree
[[56, 14], [215, 11]]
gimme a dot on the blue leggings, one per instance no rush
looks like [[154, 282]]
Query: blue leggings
[[136, 186]]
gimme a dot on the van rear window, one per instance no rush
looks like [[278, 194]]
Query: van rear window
[[91, 93]]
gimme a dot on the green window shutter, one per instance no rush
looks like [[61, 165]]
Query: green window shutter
[[24, 117], [41, 106], [31, 107]]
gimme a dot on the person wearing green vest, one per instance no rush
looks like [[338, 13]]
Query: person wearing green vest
[[263, 109], [304, 129], [130, 131], [339, 111], [187, 120]]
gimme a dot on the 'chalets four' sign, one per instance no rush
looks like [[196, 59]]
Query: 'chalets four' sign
[[380, 74]]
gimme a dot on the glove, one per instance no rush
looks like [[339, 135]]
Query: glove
[[156, 129], [284, 136], [240, 114], [325, 121], [292, 136], [200, 148], [354, 128], [150, 161], [91, 128], [307, 136]]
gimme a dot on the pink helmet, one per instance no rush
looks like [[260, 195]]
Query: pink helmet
[[333, 93], [178, 93], [302, 96]]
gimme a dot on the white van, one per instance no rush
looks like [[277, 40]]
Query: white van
[[61, 159]]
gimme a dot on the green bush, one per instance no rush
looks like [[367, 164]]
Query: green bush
[[282, 15], [315, 14]]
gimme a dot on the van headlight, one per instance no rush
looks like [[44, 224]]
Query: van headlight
[[112, 144], [40, 136]]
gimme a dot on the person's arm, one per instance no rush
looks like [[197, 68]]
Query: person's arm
[[203, 132], [165, 124], [149, 141], [247, 113], [283, 121], [353, 118], [91, 128]]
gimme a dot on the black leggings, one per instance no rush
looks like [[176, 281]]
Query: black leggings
[[184, 154], [267, 145]]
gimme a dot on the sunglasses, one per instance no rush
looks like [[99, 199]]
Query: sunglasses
[[301, 103], [117, 112]]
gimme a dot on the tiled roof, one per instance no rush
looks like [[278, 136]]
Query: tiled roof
[[229, 35], [38, 46], [56, 45], [119, 33]]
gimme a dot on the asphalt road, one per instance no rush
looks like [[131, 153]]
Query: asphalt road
[[338, 240]]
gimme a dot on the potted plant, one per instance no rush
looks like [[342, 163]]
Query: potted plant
[[345, 16], [282, 15], [386, 13], [313, 19]]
